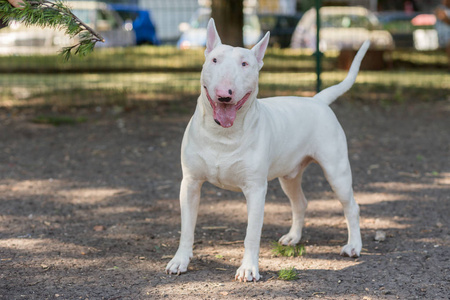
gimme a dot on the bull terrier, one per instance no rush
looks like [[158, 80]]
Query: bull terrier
[[238, 142]]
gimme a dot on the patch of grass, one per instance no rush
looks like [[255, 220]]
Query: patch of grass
[[288, 274], [432, 58], [59, 120], [149, 58], [288, 251], [126, 89], [164, 58]]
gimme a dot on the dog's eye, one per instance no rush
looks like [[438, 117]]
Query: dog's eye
[[244, 64], [214, 60]]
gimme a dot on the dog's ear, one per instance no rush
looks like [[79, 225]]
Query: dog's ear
[[260, 48], [212, 37]]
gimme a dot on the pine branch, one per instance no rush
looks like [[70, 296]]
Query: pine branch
[[55, 15]]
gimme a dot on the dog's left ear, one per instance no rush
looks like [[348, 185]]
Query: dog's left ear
[[212, 37], [260, 48]]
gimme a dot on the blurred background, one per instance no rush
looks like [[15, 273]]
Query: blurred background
[[154, 51]]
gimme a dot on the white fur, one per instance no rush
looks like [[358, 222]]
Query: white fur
[[265, 139]]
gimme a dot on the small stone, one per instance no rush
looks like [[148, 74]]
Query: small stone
[[380, 236], [99, 228]]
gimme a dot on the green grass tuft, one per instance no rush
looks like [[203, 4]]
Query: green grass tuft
[[288, 274], [288, 251]]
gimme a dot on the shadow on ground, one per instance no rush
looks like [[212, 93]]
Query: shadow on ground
[[91, 211]]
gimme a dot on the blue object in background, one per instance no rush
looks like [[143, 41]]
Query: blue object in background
[[141, 21]]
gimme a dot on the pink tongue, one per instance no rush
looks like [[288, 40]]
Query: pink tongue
[[225, 114]]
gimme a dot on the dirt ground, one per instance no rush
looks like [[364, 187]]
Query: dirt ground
[[90, 211]]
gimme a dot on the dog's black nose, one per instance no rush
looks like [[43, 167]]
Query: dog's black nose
[[224, 99]]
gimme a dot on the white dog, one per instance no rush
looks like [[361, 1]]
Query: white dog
[[238, 142]]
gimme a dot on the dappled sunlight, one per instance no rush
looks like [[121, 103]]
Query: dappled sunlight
[[372, 198], [60, 189], [319, 213], [393, 186], [91, 195], [337, 221], [309, 264], [278, 209], [427, 79], [35, 90], [443, 179], [35, 245], [49, 254], [315, 257], [230, 210], [413, 79], [30, 187], [329, 213], [295, 78], [385, 223], [107, 218], [221, 251], [324, 205]]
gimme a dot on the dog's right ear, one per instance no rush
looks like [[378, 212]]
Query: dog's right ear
[[212, 37], [260, 48]]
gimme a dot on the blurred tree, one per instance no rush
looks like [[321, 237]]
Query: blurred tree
[[229, 18], [54, 14]]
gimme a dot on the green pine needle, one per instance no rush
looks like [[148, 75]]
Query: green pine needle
[[55, 15], [287, 251], [288, 274]]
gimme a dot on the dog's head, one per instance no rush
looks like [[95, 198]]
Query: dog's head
[[230, 76]]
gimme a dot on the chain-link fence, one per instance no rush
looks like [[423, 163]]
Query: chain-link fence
[[407, 55]]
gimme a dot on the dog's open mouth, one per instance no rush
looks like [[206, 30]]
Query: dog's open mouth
[[224, 112]]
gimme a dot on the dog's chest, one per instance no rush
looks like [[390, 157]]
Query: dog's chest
[[226, 170], [221, 166], [224, 159]]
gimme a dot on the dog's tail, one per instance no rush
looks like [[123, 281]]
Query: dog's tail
[[330, 94]]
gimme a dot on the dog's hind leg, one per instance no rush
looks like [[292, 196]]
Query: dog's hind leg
[[292, 187], [338, 174]]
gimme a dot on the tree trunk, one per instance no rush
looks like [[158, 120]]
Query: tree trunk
[[229, 18]]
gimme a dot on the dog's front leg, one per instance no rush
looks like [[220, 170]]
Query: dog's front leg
[[256, 197], [189, 201]]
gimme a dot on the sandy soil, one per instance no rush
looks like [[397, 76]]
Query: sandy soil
[[90, 211]]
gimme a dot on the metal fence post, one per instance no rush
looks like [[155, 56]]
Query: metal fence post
[[318, 53]]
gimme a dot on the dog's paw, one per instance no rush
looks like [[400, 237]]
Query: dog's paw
[[178, 264], [350, 250], [247, 273], [290, 239]]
